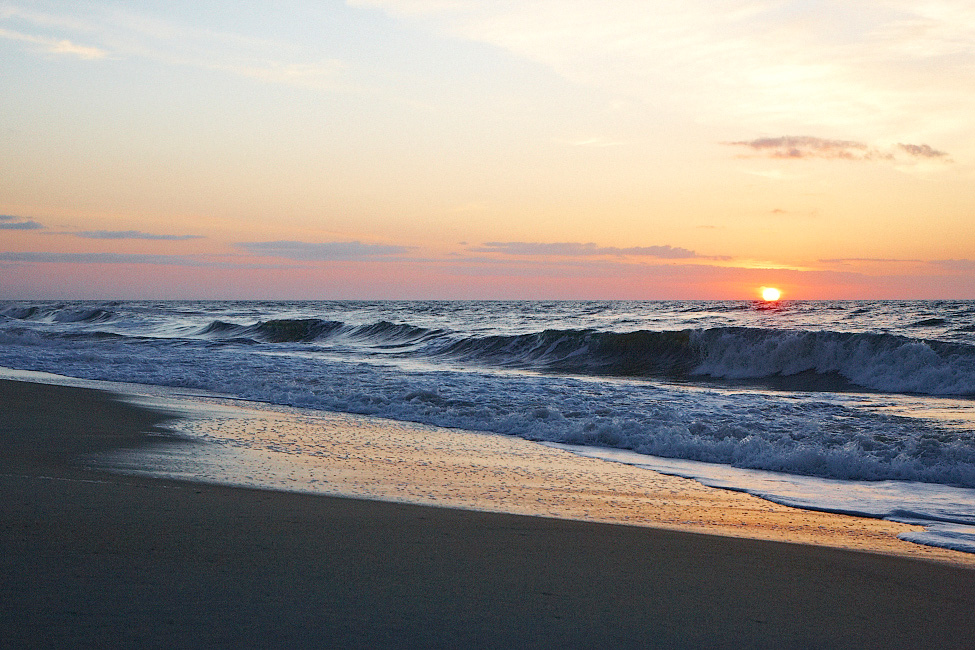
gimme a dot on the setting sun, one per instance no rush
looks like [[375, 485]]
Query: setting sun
[[771, 294]]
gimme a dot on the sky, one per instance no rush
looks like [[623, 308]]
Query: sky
[[453, 149]]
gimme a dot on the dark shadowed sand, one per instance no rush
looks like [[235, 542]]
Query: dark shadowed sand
[[95, 559]]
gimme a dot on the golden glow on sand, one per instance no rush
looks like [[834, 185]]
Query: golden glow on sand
[[771, 294]]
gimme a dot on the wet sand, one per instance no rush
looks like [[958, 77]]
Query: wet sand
[[92, 558]]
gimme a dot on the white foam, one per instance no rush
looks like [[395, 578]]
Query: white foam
[[948, 513], [875, 361]]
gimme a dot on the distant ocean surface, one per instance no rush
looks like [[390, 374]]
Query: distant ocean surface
[[861, 407]]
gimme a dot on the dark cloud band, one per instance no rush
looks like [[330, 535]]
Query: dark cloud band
[[10, 222], [131, 234], [575, 249], [323, 251]]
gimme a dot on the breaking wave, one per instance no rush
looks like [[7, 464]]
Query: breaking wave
[[811, 359], [794, 359], [57, 314]]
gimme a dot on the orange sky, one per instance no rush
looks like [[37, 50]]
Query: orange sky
[[460, 149]]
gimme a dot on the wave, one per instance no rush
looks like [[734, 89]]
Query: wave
[[810, 360], [385, 334], [586, 352], [298, 330], [746, 429], [451, 378], [794, 359], [883, 362], [58, 314], [19, 312], [83, 316], [308, 330]]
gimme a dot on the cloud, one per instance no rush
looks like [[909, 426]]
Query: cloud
[[56, 46], [575, 249], [951, 264], [21, 225], [957, 265], [862, 65], [804, 146], [321, 252], [144, 36], [100, 258], [10, 222], [131, 234], [869, 260], [43, 257], [797, 147], [922, 151]]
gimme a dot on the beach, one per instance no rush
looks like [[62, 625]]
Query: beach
[[93, 557]]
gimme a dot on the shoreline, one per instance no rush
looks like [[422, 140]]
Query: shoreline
[[94, 556], [340, 454]]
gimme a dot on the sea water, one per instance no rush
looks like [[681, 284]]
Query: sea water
[[863, 407]]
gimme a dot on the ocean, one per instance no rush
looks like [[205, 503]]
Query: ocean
[[857, 407]]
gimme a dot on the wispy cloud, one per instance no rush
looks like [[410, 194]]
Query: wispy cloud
[[922, 151], [131, 234], [575, 249], [323, 251], [957, 265], [10, 222], [807, 147], [964, 265], [101, 258], [883, 66], [48, 257], [126, 34], [56, 45], [869, 260], [798, 147]]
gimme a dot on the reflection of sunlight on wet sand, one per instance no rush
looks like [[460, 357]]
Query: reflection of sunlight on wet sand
[[358, 456]]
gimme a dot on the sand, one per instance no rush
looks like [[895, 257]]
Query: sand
[[350, 455], [96, 558]]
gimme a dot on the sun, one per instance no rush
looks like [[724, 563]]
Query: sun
[[770, 294]]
